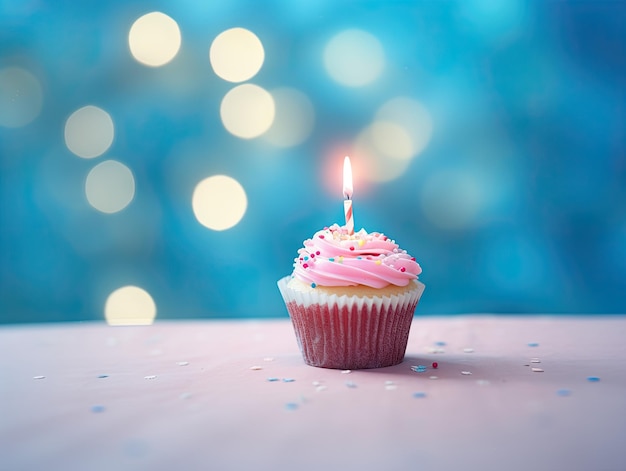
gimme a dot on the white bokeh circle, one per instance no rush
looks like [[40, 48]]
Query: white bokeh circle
[[236, 55], [154, 39], [89, 132], [110, 186], [247, 111], [130, 305], [219, 202]]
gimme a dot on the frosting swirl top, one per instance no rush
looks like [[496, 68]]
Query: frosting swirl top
[[332, 257]]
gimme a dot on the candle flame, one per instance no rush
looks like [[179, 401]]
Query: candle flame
[[347, 178]]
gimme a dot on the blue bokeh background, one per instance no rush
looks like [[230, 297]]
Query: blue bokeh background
[[528, 105]]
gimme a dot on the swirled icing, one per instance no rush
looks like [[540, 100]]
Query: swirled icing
[[332, 257]]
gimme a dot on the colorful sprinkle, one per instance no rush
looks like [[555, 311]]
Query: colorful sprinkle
[[271, 380], [345, 372], [533, 344], [103, 376], [378, 262], [331, 259], [440, 343], [97, 409], [291, 406], [402, 269], [256, 368], [435, 365], [305, 265], [321, 236], [351, 248], [593, 379], [150, 377], [537, 370], [564, 392], [313, 285], [39, 377], [433, 377], [288, 380], [466, 373], [419, 394], [183, 363], [535, 360], [418, 368], [351, 384]]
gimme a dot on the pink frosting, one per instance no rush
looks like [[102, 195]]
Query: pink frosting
[[334, 258]]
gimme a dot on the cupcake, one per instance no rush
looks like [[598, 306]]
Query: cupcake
[[351, 299]]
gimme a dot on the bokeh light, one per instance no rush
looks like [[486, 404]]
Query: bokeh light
[[219, 202], [110, 186], [247, 111], [413, 119], [89, 132], [21, 97], [294, 118], [236, 55], [354, 58], [130, 305], [380, 166], [451, 199], [154, 39]]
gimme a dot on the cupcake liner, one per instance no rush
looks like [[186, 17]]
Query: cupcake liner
[[350, 332]]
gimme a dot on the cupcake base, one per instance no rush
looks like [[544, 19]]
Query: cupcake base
[[351, 332]]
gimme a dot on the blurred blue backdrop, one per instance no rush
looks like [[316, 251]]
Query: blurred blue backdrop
[[487, 138]]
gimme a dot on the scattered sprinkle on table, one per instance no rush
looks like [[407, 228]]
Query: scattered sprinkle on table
[[564, 392], [593, 379], [39, 377], [435, 365], [466, 373], [390, 385], [482, 382], [345, 372], [256, 368], [321, 387], [419, 394], [537, 370], [97, 409], [150, 377], [268, 359], [288, 380], [291, 406], [535, 360], [271, 380], [418, 368], [351, 384], [533, 344], [440, 343], [103, 376], [433, 377], [182, 363], [468, 350]]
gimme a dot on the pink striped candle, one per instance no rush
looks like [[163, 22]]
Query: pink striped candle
[[347, 193]]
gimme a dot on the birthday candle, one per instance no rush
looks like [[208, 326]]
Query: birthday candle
[[347, 193]]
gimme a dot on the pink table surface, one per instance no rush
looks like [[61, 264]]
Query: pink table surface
[[236, 395]]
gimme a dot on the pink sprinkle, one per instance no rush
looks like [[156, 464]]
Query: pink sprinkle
[[321, 236], [402, 269], [317, 253], [305, 265], [435, 364], [312, 255], [351, 248]]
